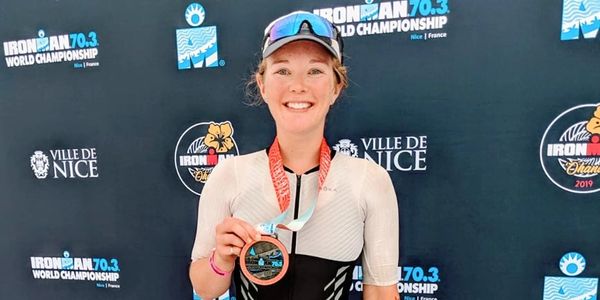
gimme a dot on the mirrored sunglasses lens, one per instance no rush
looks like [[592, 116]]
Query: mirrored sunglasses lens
[[282, 28], [291, 25]]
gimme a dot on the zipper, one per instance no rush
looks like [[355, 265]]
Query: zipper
[[293, 262], [296, 209]]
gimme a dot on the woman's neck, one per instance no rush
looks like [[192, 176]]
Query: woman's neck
[[300, 153]]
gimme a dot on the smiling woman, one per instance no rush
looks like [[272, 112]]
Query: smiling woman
[[294, 243]]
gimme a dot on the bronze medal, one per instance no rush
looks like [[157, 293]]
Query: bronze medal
[[264, 262]]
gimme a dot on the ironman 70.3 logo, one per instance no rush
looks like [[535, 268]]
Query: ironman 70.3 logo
[[570, 149]]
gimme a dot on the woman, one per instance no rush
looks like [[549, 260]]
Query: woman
[[347, 205]]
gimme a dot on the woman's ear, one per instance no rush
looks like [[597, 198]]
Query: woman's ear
[[337, 89], [261, 85]]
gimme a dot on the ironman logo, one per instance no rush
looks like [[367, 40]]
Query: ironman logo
[[570, 149]]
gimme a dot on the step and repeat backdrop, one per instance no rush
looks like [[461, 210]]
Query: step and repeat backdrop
[[485, 114]]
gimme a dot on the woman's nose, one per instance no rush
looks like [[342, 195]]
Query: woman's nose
[[297, 85]]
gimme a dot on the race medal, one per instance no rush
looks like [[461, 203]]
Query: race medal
[[264, 262]]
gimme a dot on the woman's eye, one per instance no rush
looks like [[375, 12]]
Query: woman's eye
[[315, 72], [282, 72]]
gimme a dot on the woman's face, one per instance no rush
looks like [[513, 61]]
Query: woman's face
[[299, 85]]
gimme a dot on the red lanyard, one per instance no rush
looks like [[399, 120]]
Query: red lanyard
[[280, 180]]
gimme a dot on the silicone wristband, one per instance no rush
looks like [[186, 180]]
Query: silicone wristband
[[214, 266]]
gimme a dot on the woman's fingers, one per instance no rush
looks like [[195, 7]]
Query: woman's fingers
[[229, 251], [230, 239], [232, 234], [254, 234], [244, 231]]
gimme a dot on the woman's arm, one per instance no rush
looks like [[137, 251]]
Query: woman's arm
[[380, 251], [206, 283], [373, 292], [217, 234], [231, 236]]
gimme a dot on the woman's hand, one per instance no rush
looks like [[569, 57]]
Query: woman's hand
[[231, 236]]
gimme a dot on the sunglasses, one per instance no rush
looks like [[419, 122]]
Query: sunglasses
[[292, 24]]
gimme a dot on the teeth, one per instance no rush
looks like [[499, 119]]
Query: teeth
[[298, 105]]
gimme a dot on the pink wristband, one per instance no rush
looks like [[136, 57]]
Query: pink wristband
[[214, 266]]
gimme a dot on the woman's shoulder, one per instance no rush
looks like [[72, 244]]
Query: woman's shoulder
[[244, 161], [240, 166]]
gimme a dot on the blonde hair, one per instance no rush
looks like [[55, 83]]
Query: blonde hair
[[253, 95]]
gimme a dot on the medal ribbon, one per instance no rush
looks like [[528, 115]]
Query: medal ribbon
[[282, 188]]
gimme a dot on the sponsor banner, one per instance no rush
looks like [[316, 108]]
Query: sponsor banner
[[199, 149], [104, 272], [65, 163], [580, 17], [197, 47], [570, 149], [80, 49], [415, 282], [419, 19], [559, 288], [394, 153]]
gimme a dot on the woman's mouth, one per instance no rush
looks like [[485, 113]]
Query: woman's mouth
[[298, 105]]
